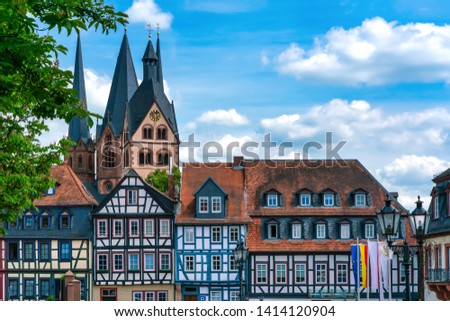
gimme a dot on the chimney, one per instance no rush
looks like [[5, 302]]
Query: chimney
[[237, 161]]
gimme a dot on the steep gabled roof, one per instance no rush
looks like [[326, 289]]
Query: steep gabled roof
[[69, 189], [78, 127], [123, 86], [442, 176]]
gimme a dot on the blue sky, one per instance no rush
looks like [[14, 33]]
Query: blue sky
[[374, 73]]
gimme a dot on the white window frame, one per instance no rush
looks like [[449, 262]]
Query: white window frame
[[235, 295], [360, 200], [307, 197], [216, 234], [281, 268], [149, 296], [189, 234], [105, 255], [146, 267], [233, 264], [272, 200], [114, 228], [341, 271], [164, 228], [215, 295], [234, 234], [115, 269], [216, 201], [216, 260], [165, 255], [261, 273], [137, 296], [101, 234], [369, 230], [436, 207], [321, 231], [149, 231], [132, 196], [326, 198], [321, 274], [296, 231], [130, 255], [189, 261], [345, 230], [203, 201], [300, 271], [269, 231], [131, 228]]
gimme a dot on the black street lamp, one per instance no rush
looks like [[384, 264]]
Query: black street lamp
[[240, 254], [419, 219]]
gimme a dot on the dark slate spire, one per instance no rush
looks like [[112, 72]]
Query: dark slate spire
[[150, 62], [158, 54], [78, 127], [123, 86]]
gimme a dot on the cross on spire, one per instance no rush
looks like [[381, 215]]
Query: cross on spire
[[149, 29]]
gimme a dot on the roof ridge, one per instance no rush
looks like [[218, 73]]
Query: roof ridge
[[80, 186]]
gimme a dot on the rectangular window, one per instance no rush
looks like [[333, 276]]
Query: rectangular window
[[216, 204], [13, 251], [134, 228], [261, 273], [149, 261], [65, 220], [189, 263], [118, 228], [137, 296], [149, 228], [234, 234], [162, 296], [216, 262], [189, 235], [305, 199], [102, 262], [28, 251], [203, 204], [369, 231], [345, 231], [321, 231], [360, 200], [13, 287], [44, 288], [321, 273], [234, 296], [44, 252], [328, 200], [65, 251], [272, 200], [29, 288], [101, 228], [118, 262], [300, 273], [296, 231], [131, 197], [233, 265], [272, 231], [216, 234], [342, 274], [216, 295], [45, 221], [29, 221], [164, 263], [164, 228], [133, 262], [280, 273], [436, 207], [149, 296]]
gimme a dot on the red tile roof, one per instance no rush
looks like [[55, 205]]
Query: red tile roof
[[231, 180], [69, 189]]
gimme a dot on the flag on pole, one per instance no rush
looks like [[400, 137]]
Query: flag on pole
[[383, 259], [364, 256], [355, 263]]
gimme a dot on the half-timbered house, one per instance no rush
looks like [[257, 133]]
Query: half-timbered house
[[50, 240], [211, 223], [133, 243], [305, 217]]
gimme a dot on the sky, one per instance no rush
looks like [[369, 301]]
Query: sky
[[373, 73]]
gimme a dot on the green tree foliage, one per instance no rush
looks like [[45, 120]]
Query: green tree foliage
[[33, 90], [160, 179]]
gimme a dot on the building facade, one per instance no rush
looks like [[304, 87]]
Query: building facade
[[50, 240], [2, 268], [211, 224], [437, 244], [305, 217], [133, 243]]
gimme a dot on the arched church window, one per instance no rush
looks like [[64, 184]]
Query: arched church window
[[162, 132]]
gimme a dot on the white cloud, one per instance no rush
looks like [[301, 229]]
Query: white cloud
[[375, 53], [147, 11], [97, 91], [223, 117]]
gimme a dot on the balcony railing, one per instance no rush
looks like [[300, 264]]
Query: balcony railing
[[439, 275]]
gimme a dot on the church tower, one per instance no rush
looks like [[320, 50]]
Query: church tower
[[81, 157]]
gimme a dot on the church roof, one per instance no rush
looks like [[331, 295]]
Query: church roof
[[124, 85]]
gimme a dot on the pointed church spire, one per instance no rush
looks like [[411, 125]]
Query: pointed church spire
[[158, 54], [123, 86], [150, 62], [78, 127]]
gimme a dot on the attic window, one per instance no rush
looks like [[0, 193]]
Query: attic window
[[305, 199], [328, 200], [360, 199], [64, 220], [50, 191]]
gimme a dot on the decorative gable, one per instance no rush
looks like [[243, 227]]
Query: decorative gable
[[210, 200]]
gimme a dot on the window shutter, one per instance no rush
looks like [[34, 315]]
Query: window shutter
[[337, 200], [314, 230], [281, 196], [351, 199], [316, 200], [368, 199], [262, 200], [295, 198]]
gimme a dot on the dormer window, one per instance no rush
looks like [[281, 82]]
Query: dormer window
[[344, 229], [436, 207], [305, 199], [45, 221], [369, 229], [360, 199], [28, 220], [50, 191], [328, 200], [216, 204], [272, 198], [272, 229], [321, 229], [210, 200], [296, 230], [203, 204], [64, 220]]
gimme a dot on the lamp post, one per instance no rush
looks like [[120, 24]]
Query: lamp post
[[419, 219], [240, 254]]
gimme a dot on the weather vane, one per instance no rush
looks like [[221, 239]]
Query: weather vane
[[157, 29], [149, 29]]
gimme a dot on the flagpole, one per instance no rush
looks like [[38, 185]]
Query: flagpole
[[390, 274], [367, 271], [380, 282], [358, 262]]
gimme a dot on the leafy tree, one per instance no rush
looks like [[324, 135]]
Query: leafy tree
[[160, 179], [34, 90]]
